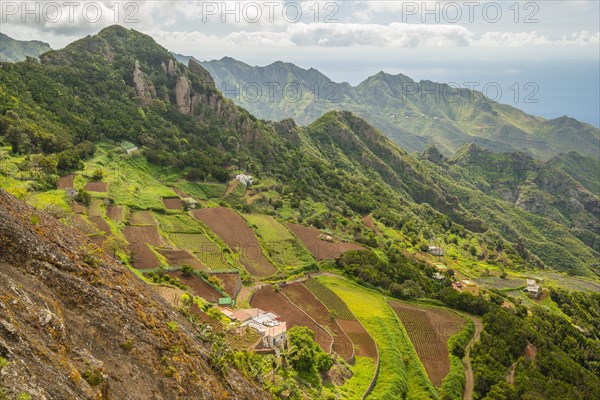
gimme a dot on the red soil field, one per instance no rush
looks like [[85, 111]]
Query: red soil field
[[101, 224], [321, 249], [170, 294], [78, 208], [84, 226], [429, 330], [96, 187], [98, 240], [197, 286], [369, 223], [172, 203], [142, 218], [236, 233], [66, 181], [178, 257], [138, 238], [116, 213], [365, 345], [232, 283], [267, 299], [304, 299], [180, 192]]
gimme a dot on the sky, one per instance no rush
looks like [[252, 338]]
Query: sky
[[541, 56]]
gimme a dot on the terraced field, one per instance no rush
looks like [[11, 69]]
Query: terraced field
[[172, 203], [178, 258], [142, 218], [269, 300], [100, 187], [285, 249], [236, 233], [401, 375], [429, 330], [139, 237], [305, 300], [203, 248], [67, 181], [331, 300], [197, 286], [321, 249], [116, 213], [171, 294]]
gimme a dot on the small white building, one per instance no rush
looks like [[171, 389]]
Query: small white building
[[267, 324], [533, 289], [245, 179], [436, 251], [189, 203]]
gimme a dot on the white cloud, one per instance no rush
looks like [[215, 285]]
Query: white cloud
[[523, 39]]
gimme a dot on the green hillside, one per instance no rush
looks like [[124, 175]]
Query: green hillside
[[12, 50]]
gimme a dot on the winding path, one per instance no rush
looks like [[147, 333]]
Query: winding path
[[469, 381]]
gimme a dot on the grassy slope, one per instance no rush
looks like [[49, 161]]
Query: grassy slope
[[401, 373]]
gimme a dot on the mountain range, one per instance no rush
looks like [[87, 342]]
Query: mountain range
[[412, 114], [12, 50]]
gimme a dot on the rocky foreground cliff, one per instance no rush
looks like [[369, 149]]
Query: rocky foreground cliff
[[74, 324]]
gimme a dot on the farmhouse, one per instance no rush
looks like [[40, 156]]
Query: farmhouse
[[267, 324], [467, 286], [189, 203], [245, 179], [435, 251], [129, 147], [533, 289]]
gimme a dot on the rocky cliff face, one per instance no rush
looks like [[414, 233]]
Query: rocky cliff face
[[74, 324]]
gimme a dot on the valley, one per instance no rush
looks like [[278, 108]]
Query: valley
[[260, 259]]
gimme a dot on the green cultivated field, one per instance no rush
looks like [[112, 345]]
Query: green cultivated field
[[281, 245], [355, 387], [401, 375]]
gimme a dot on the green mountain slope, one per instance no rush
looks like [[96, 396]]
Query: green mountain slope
[[120, 85], [585, 170], [12, 50], [413, 114]]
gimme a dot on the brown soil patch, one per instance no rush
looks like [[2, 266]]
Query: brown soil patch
[[142, 218], [197, 286], [139, 237], [178, 258], [172, 203], [78, 208], [100, 187], [83, 225], [232, 282], [170, 294], [232, 187], [429, 330], [321, 249], [116, 213], [363, 342], [304, 299], [180, 192], [269, 300], [98, 240], [236, 233], [369, 223], [101, 225], [67, 181]]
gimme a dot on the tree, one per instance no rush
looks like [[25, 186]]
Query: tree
[[187, 270], [97, 175]]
